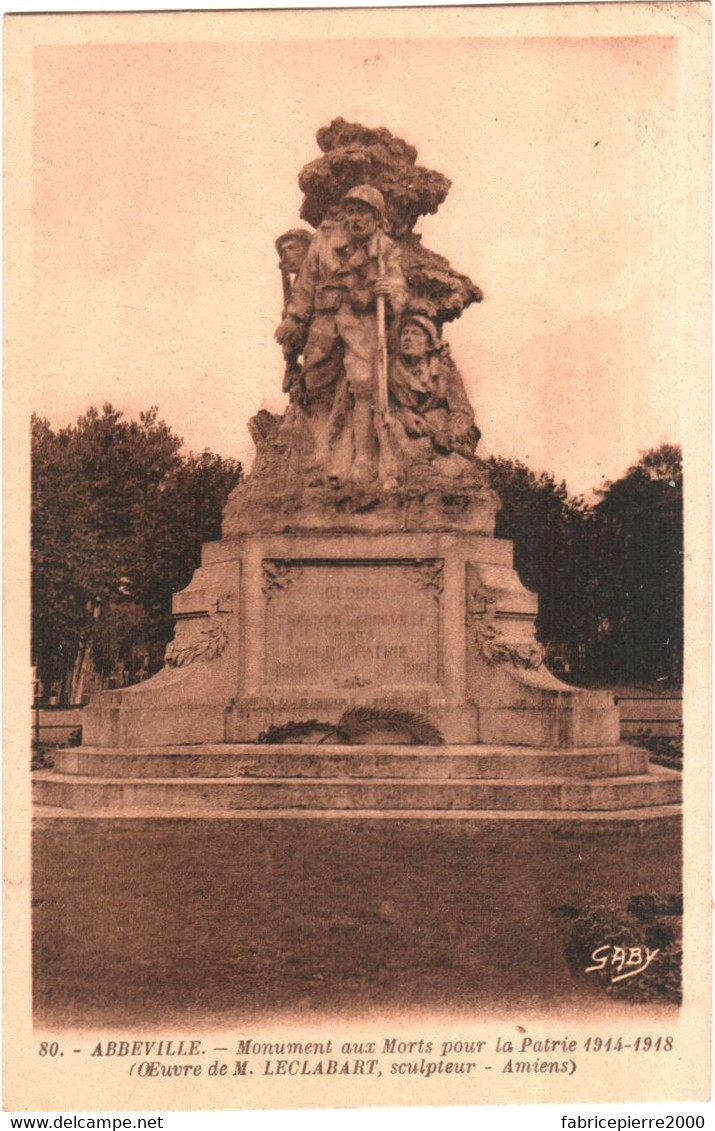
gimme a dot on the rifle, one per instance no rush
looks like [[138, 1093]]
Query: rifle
[[387, 461], [287, 286], [292, 372]]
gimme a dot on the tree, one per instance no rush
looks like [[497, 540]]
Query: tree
[[548, 531], [609, 576], [638, 562], [118, 518]]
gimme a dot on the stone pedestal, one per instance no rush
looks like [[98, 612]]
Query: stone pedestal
[[300, 628], [278, 628]]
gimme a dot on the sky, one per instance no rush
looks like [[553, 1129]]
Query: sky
[[163, 172]]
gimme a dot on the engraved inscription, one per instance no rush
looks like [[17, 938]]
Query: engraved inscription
[[354, 626]]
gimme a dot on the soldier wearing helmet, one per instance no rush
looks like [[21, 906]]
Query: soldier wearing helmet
[[331, 316], [292, 247], [430, 407]]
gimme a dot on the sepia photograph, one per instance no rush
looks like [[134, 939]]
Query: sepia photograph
[[357, 594]]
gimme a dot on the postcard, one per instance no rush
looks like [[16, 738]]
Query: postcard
[[357, 558]]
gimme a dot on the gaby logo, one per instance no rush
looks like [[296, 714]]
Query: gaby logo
[[626, 962]]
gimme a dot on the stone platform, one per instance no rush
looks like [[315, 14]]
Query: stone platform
[[608, 781]]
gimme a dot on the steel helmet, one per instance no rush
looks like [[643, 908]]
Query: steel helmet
[[368, 195], [294, 234], [425, 324]]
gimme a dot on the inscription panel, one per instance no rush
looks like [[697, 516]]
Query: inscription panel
[[346, 625]]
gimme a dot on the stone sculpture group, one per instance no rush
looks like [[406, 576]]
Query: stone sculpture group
[[377, 387], [378, 413]]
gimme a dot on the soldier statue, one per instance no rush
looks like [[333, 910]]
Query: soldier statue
[[351, 270], [292, 248]]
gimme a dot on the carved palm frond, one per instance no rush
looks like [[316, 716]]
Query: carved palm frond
[[359, 726], [310, 731], [363, 724]]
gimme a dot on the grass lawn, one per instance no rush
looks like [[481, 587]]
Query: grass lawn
[[138, 922]]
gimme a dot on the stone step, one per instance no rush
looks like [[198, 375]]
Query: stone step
[[565, 819], [660, 787], [302, 760]]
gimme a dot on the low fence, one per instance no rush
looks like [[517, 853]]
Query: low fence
[[53, 725], [660, 714]]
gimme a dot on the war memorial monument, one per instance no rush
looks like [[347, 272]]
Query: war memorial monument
[[358, 642]]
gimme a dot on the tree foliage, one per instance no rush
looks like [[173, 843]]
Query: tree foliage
[[118, 518], [638, 558], [610, 575]]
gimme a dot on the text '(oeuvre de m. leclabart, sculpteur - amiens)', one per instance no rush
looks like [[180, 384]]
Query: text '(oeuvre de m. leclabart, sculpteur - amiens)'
[[358, 596]]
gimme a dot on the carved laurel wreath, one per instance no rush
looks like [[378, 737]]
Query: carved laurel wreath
[[493, 645], [211, 644], [211, 641]]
